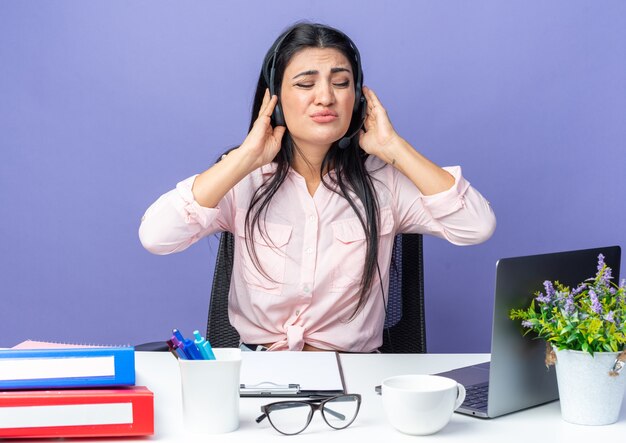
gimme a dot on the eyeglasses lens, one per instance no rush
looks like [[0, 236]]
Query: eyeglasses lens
[[290, 417], [340, 412]]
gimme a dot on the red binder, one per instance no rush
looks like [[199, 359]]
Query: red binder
[[77, 413]]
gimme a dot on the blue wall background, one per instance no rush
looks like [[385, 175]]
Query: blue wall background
[[104, 105]]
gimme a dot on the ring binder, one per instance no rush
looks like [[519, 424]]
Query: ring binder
[[101, 412], [66, 368]]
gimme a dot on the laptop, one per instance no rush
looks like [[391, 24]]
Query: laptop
[[517, 377]]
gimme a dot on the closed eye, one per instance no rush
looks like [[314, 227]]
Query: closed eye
[[310, 85]]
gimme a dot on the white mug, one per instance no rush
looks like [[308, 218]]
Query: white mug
[[421, 404], [210, 390]]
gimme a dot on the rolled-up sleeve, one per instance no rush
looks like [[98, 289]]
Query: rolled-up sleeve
[[460, 214], [176, 221]]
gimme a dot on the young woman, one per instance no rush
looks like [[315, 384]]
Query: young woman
[[314, 197]]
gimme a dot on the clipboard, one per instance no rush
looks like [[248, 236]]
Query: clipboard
[[291, 374]]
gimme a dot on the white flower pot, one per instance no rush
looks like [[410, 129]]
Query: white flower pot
[[588, 394]]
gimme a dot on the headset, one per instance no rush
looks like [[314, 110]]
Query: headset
[[360, 104]]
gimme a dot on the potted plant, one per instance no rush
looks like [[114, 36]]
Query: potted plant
[[585, 332]]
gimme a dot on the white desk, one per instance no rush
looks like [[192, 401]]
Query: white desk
[[159, 372]]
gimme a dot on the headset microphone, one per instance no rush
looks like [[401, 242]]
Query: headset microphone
[[345, 141]]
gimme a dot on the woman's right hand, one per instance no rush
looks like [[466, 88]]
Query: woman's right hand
[[263, 141], [258, 149]]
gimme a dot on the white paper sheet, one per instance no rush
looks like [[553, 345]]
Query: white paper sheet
[[313, 371]]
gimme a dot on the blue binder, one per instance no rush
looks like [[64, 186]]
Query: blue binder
[[67, 368]]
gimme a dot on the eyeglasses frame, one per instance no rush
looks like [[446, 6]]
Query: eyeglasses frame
[[315, 404]]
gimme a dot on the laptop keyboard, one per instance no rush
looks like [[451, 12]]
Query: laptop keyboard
[[476, 397]]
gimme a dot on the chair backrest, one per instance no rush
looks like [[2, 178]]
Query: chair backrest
[[405, 323], [405, 326], [219, 331]]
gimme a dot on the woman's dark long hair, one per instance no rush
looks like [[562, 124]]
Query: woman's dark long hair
[[351, 179]]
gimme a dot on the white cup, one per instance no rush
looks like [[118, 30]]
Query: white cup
[[210, 391], [421, 404]]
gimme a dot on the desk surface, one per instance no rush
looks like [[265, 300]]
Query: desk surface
[[159, 372]]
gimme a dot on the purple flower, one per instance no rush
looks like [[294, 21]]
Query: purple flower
[[609, 317], [596, 306], [579, 289], [543, 298], [547, 298], [569, 306], [622, 283], [604, 272], [606, 277], [549, 288], [527, 324]]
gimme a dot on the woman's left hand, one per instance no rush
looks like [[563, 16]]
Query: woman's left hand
[[379, 135]]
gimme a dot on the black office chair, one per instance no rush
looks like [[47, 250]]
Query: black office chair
[[219, 331], [405, 326]]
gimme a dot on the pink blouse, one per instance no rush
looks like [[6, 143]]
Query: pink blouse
[[315, 251]]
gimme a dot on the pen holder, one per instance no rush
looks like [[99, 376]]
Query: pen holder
[[210, 390]]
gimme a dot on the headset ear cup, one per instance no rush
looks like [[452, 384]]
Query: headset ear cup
[[277, 116], [362, 114], [358, 100]]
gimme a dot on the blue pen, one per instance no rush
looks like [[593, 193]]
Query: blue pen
[[204, 346], [180, 348], [176, 352], [191, 349], [178, 335], [187, 345]]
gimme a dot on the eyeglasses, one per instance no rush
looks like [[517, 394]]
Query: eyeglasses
[[293, 417]]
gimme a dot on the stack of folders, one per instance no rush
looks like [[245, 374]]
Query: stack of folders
[[72, 392]]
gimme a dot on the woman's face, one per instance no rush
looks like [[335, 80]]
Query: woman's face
[[317, 96]]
